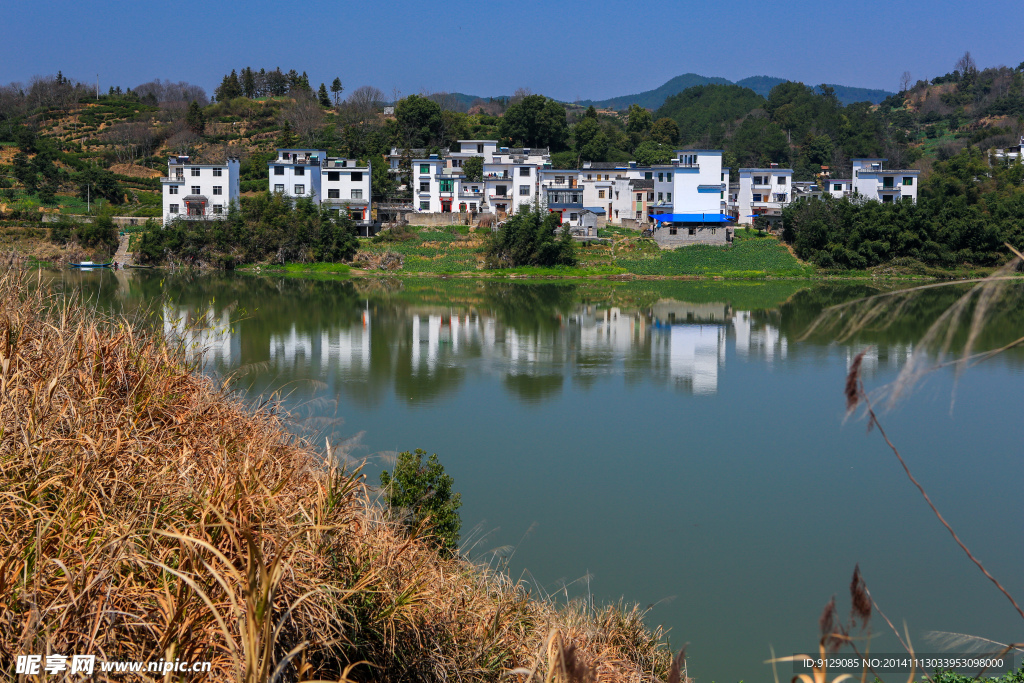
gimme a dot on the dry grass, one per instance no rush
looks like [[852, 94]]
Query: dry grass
[[145, 515]]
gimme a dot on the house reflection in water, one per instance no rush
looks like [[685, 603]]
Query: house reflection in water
[[208, 334]]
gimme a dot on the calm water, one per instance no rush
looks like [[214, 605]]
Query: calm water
[[673, 444]]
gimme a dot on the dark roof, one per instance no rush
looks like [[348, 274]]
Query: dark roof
[[524, 150], [195, 198], [561, 205], [642, 184], [602, 165]]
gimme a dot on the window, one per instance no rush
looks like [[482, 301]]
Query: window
[[650, 196], [480, 149], [661, 196], [300, 189], [424, 169], [424, 186], [357, 194], [172, 189], [639, 215], [500, 190], [661, 177], [668, 196], [447, 185], [195, 172], [279, 170], [909, 180], [837, 188], [600, 194], [300, 170], [524, 172], [588, 176], [723, 177], [672, 230], [195, 189], [472, 206], [424, 205], [574, 216], [576, 199], [279, 188], [218, 209], [692, 231], [217, 172], [334, 194], [218, 189], [357, 176], [333, 175], [887, 199], [782, 179], [649, 175], [172, 208], [757, 197], [524, 190], [668, 177], [721, 195], [639, 196]]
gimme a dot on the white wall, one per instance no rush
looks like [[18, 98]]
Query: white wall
[[692, 169], [352, 179], [199, 179]]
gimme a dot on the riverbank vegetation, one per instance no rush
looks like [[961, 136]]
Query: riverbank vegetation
[[149, 515]]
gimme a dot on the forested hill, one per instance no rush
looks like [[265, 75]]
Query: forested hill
[[762, 85]]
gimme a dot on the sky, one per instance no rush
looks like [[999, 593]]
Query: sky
[[564, 49]]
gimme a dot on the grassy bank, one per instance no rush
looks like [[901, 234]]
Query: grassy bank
[[146, 515]]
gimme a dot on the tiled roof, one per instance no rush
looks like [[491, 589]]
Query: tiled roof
[[641, 184]]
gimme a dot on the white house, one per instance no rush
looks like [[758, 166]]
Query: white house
[[433, 190], [872, 181], [465, 149], [698, 209], [763, 191], [1011, 153], [839, 187], [296, 173], [346, 185], [199, 191]]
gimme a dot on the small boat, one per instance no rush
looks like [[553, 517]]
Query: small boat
[[90, 264]]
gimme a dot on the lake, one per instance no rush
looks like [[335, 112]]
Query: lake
[[673, 444]]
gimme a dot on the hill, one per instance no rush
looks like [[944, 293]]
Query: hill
[[762, 85]]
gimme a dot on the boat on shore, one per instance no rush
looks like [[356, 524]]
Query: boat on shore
[[90, 264]]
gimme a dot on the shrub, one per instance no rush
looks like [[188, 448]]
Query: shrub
[[421, 493]]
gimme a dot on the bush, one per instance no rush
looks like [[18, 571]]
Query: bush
[[528, 239], [98, 234], [421, 493]]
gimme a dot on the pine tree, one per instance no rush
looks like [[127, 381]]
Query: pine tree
[[229, 88], [336, 88], [194, 119], [325, 101], [248, 83], [287, 138]]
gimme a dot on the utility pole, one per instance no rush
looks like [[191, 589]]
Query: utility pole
[[88, 198]]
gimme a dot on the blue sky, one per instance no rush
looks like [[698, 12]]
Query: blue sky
[[562, 48]]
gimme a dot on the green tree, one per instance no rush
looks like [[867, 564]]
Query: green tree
[[650, 152], [24, 172], [337, 88], [591, 142], [322, 96], [419, 120], [95, 183], [639, 120], [287, 138], [421, 493], [194, 118], [535, 121], [529, 239], [249, 83], [229, 88], [101, 233], [665, 131], [474, 168]]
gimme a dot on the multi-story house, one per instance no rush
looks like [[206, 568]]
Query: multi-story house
[[699, 183], [465, 149], [642, 197], [433, 189], [567, 201], [763, 192], [1010, 153], [872, 181], [199, 191], [346, 185], [296, 173]]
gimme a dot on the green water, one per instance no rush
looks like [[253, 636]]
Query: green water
[[673, 444]]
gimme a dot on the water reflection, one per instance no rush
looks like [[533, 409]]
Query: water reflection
[[423, 350]]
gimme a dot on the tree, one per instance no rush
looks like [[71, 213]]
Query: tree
[[321, 95], [528, 239], [591, 142], [905, 80], [966, 66], [287, 138], [337, 88], [639, 120], [473, 167], [229, 88], [535, 121], [419, 120], [94, 183], [24, 172], [419, 493], [194, 119], [665, 131], [249, 83]]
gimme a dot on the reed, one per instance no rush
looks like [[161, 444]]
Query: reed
[[147, 514]]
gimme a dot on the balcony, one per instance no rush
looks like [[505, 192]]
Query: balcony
[[891, 188], [497, 176], [760, 186], [172, 179], [694, 166], [504, 197]]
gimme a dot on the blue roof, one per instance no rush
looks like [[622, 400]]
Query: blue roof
[[692, 217], [595, 209]]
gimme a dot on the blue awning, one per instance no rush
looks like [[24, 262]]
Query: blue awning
[[691, 217], [595, 209]]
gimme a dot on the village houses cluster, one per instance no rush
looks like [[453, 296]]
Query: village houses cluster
[[690, 199]]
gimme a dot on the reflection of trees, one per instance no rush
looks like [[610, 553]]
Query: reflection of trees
[[534, 388], [530, 308]]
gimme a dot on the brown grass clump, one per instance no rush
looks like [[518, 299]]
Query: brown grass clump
[[146, 515]]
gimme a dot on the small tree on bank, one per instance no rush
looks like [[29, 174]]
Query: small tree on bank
[[419, 492], [529, 239]]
